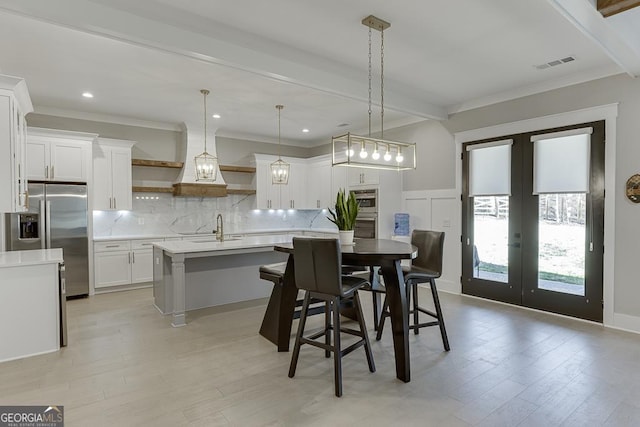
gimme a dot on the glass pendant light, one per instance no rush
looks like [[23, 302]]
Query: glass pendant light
[[279, 168], [206, 164]]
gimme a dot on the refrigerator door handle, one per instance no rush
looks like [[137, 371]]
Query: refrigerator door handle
[[41, 226], [47, 223]]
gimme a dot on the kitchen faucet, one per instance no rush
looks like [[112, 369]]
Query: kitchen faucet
[[219, 228]]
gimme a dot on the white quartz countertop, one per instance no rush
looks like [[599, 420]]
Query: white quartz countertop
[[250, 243], [33, 257], [199, 235]]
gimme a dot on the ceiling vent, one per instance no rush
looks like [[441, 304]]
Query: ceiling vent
[[555, 62]]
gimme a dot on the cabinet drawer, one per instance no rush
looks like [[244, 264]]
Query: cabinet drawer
[[114, 245], [143, 244]]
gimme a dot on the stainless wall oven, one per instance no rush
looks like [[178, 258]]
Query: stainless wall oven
[[367, 199], [366, 226]]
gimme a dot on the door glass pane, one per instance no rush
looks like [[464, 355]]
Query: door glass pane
[[561, 242], [491, 238]]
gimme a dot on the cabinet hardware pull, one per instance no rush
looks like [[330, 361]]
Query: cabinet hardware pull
[[129, 257], [133, 255], [115, 205], [52, 172], [112, 246], [46, 172]]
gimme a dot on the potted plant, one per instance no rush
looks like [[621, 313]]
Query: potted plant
[[344, 216]]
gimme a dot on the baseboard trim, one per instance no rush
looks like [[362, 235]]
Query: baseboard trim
[[625, 322]]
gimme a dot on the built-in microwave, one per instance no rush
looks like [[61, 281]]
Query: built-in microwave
[[367, 199]]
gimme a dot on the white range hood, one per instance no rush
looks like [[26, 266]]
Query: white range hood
[[186, 184]]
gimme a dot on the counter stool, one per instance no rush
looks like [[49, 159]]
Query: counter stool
[[319, 273], [275, 273], [425, 268]]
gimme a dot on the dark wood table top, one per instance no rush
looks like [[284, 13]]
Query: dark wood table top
[[369, 248]]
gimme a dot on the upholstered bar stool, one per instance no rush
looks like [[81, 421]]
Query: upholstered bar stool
[[318, 272], [275, 273], [425, 268]]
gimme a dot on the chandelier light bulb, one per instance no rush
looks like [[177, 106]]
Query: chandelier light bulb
[[350, 152], [399, 156], [363, 152], [387, 155], [375, 155]]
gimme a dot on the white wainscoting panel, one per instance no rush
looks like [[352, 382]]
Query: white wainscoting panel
[[439, 210]]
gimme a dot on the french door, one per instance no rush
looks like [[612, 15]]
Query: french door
[[533, 219]]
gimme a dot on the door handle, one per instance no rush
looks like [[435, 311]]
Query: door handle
[[47, 223]]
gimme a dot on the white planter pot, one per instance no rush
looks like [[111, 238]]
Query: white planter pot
[[346, 237]]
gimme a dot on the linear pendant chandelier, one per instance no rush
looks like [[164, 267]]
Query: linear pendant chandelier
[[367, 152]]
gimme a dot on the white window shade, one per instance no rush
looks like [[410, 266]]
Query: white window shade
[[561, 162], [490, 168]]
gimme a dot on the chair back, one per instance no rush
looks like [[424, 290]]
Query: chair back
[[318, 264], [430, 246]]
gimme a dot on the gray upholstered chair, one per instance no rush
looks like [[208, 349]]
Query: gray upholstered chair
[[318, 272]]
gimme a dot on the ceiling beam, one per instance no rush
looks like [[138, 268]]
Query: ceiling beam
[[584, 16], [611, 7], [269, 61]]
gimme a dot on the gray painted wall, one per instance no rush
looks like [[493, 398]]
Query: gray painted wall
[[616, 89], [155, 144], [233, 151]]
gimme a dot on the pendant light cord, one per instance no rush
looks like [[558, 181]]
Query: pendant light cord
[[369, 81], [205, 92], [381, 83], [279, 107]]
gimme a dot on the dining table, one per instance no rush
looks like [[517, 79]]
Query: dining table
[[383, 253]]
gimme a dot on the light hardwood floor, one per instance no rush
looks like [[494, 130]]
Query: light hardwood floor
[[126, 366]]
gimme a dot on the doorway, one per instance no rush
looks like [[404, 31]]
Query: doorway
[[533, 219]]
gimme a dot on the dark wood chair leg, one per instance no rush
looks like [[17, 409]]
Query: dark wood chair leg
[[416, 311], [327, 327], [296, 347], [436, 303], [365, 335], [337, 353], [383, 316]]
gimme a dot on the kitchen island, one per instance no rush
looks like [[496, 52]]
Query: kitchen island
[[31, 313], [188, 275]]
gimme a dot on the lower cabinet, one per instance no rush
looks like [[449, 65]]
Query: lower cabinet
[[123, 262]]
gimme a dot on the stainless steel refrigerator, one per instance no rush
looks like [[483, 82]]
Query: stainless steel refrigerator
[[56, 218]]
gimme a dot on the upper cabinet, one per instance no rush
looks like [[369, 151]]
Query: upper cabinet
[[319, 194], [55, 155], [14, 105], [363, 176], [281, 196], [112, 174]]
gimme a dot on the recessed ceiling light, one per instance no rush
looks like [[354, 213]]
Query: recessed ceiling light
[[305, 130], [87, 94], [216, 116]]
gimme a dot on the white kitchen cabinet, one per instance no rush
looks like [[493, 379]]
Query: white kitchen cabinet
[[338, 181], [123, 262], [319, 190], [112, 174], [112, 263], [363, 176], [14, 105], [280, 196], [54, 155]]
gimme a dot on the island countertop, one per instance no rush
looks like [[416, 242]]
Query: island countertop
[[244, 244], [31, 257]]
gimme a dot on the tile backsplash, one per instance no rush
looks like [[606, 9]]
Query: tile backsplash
[[162, 214]]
